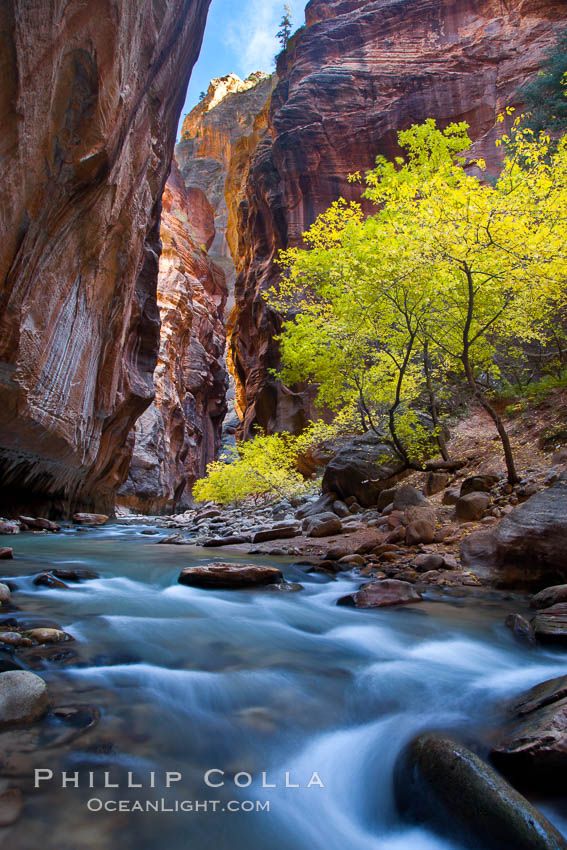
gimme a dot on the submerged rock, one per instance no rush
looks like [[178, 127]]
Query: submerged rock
[[6, 553], [229, 576], [11, 806], [521, 628], [49, 635], [533, 750], [442, 783], [5, 595], [380, 594], [23, 697], [49, 580]]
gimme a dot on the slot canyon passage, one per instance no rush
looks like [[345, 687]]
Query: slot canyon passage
[[251, 596]]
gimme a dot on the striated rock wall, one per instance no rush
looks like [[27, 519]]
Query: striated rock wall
[[180, 432], [90, 98], [359, 71]]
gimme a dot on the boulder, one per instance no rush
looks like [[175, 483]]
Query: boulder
[[478, 484], [230, 540], [5, 595], [472, 506], [335, 553], [322, 525], [442, 783], [340, 509], [39, 523], [279, 533], [407, 496], [381, 594], [9, 527], [48, 580], [227, 576], [527, 547], [174, 540], [428, 561], [15, 639], [6, 553], [415, 513], [49, 635], [90, 519], [11, 806], [23, 697], [450, 497], [549, 596], [385, 498], [363, 468], [324, 504], [521, 628], [78, 574], [352, 561], [435, 482], [532, 752], [550, 624], [420, 531]]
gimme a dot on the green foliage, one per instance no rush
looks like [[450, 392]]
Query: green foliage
[[285, 27], [545, 95], [267, 464], [381, 313], [533, 394]]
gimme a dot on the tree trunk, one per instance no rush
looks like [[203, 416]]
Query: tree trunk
[[441, 442], [477, 392]]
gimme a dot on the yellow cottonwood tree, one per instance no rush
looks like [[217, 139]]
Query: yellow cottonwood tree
[[447, 269]]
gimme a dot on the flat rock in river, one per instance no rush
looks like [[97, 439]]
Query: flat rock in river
[[533, 750], [229, 576], [550, 624], [381, 594]]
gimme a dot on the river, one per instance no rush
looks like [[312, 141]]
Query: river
[[255, 683]]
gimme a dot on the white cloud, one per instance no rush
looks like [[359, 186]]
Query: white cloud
[[253, 35]]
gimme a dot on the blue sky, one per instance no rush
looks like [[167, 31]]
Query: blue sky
[[240, 37]]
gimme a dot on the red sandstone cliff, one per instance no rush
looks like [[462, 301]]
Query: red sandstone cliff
[[89, 104], [356, 74], [180, 432]]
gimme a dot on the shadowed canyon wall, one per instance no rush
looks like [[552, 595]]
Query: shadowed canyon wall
[[358, 72], [90, 99], [180, 432]]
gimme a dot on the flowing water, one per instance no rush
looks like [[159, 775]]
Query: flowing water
[[249, 683]]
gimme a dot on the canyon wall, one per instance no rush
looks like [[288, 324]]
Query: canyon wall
[[90, 100], [180, 432], [225, 120], [359, 71]]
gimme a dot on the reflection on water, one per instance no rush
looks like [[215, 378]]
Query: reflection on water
[[190, 680]]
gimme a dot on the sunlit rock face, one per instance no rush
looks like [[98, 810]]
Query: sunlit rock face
[[223, 124], [90, 98], [180, 432], [355, 75]]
